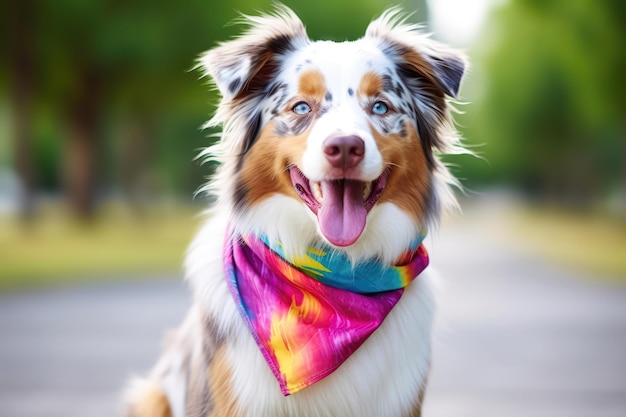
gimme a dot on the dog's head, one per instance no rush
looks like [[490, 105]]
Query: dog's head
[[334, 141]]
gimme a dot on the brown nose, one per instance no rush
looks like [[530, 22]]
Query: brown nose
[[344, 151]]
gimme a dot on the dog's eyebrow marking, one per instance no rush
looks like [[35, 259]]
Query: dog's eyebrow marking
[[371, 84], [350, 92], [329, 96], [312, 85]]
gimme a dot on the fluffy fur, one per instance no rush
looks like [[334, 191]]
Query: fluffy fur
[[300, 118]]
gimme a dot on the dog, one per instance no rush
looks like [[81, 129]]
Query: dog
[[311, 292]]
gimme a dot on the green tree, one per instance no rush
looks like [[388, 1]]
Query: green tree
[[19, 36], [552, 108], [102, 93]]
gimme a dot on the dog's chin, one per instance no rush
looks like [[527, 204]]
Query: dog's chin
[[286, 219], [340, 205]]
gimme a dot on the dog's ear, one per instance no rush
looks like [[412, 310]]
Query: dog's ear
[[448, 68], [416, 54], [244, 66]]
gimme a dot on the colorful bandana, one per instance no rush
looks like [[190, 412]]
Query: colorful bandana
[[309, 315]]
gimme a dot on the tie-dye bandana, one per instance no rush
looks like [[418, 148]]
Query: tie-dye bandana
[[308, 315]]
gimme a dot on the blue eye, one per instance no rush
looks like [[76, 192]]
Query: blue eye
[[301, 108], [380, 108]]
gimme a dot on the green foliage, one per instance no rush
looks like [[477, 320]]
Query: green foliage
[[133, 60], [550, 101]]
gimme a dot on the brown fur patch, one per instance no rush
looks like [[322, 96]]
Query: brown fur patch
[[408, 185], [312, 85], [224, 401], [152, 402], [371, 85], [264, 170]]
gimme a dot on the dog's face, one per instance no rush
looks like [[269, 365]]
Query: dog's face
[[346, 130]]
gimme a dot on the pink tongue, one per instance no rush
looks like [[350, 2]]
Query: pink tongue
[[342, 215]]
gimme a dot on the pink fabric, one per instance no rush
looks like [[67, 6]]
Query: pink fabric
[[304, 329]]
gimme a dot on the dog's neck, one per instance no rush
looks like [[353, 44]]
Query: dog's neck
[[388, 234], [334, 268]]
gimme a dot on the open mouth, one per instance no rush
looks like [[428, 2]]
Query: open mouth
[[341, 205]]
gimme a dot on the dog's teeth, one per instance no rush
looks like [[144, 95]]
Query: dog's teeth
[[367, 189], [317, 191]]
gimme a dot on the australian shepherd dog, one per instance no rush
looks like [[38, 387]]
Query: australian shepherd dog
[[311, 292]]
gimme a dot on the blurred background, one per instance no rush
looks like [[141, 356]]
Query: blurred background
[[100, 117], [100, 122]]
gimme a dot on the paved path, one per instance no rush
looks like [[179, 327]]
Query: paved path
[[515, 338], [519, 338], [68, 353]]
